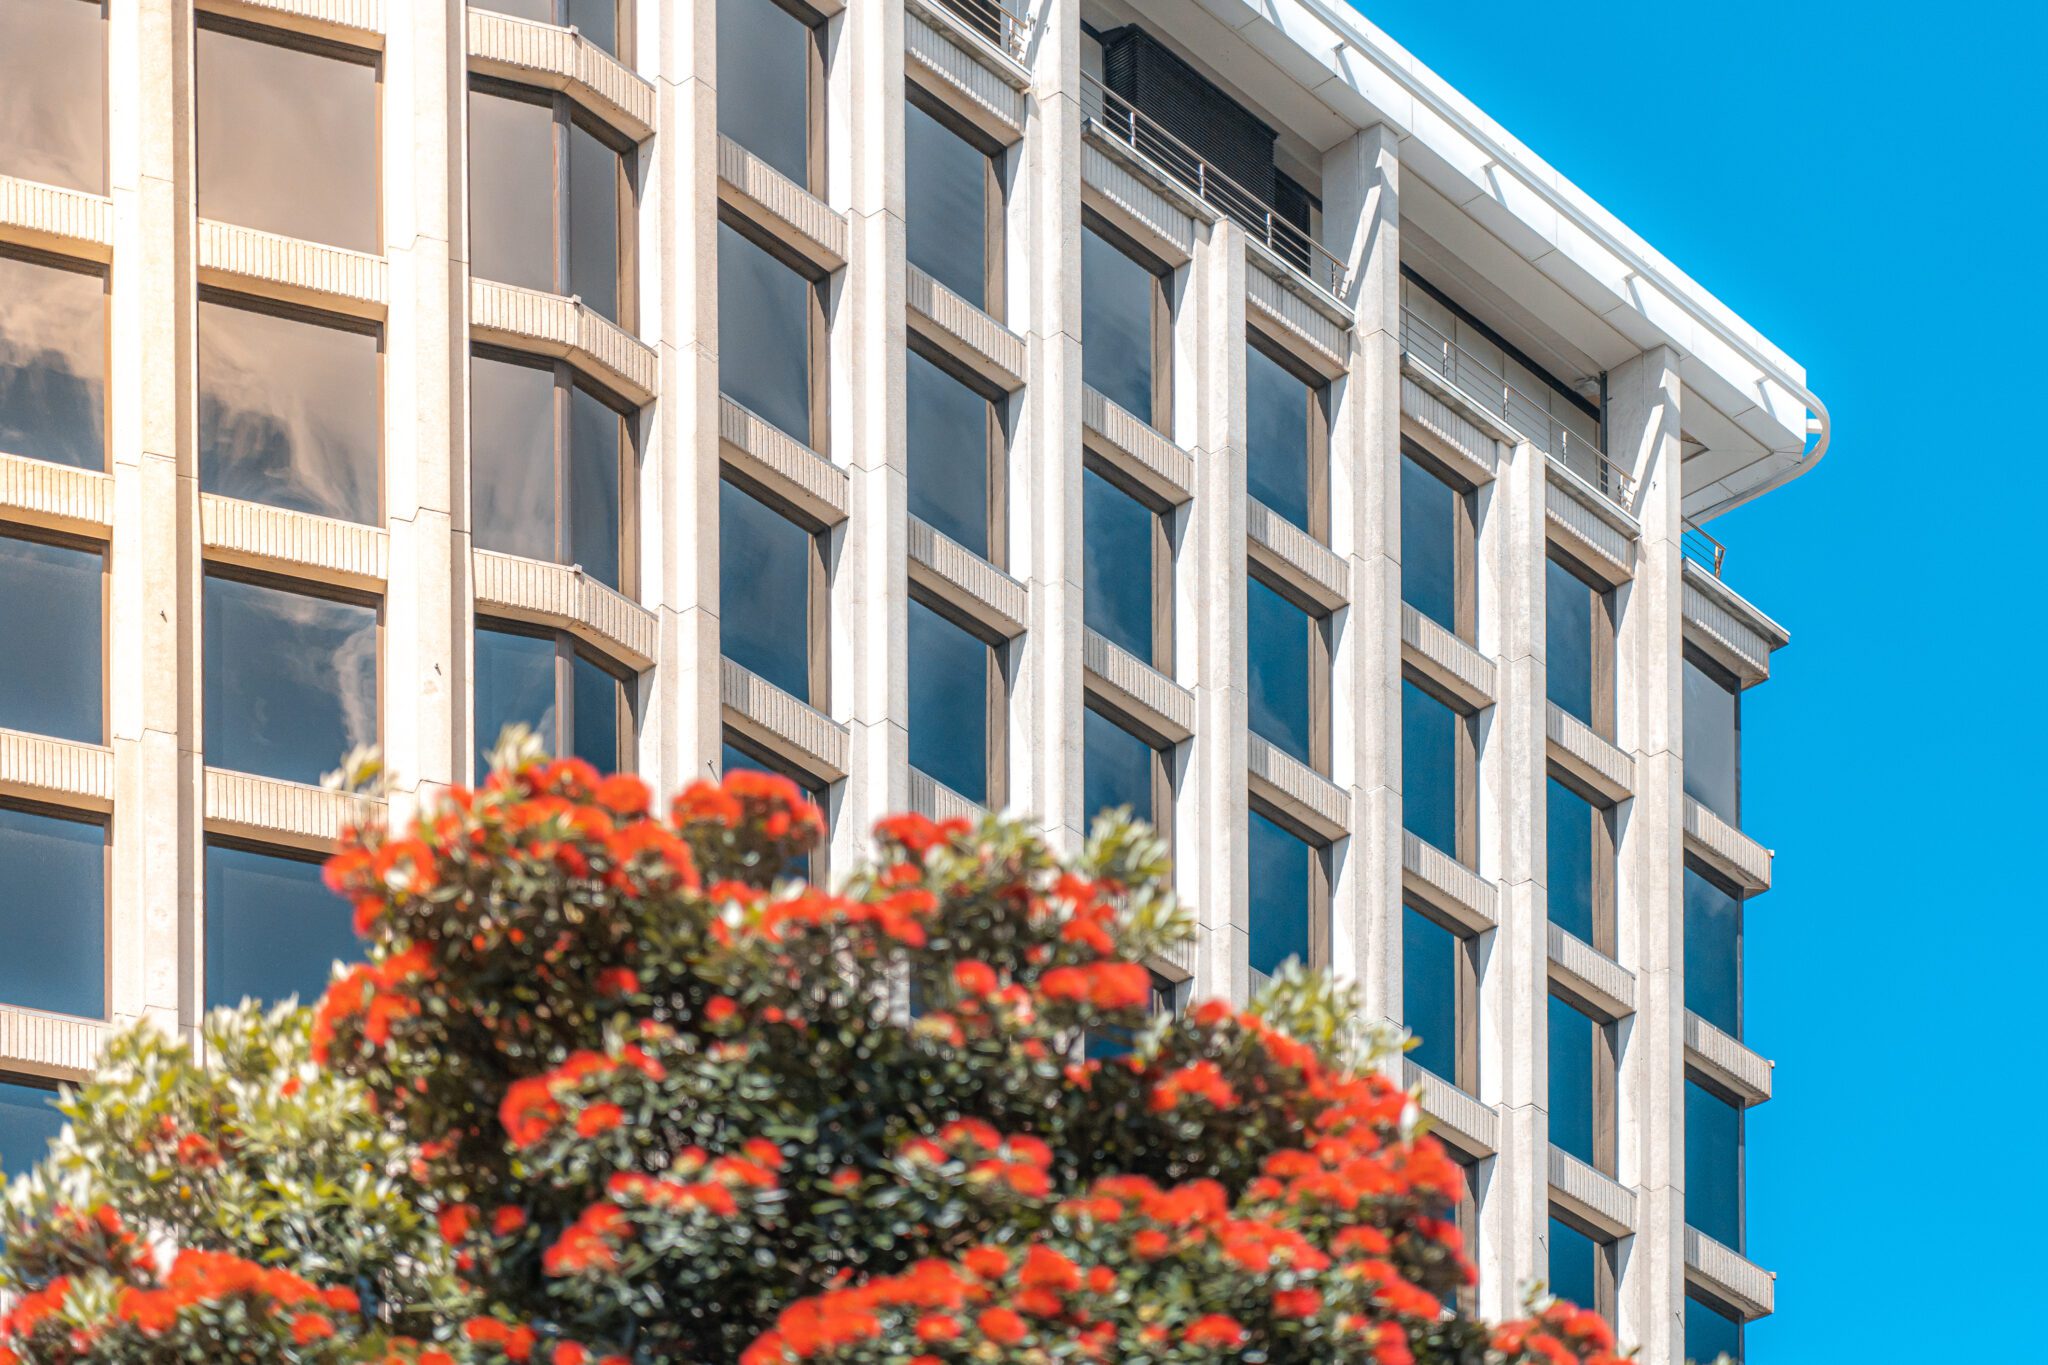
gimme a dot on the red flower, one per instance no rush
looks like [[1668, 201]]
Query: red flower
[[599, 1119], [1002, 1326], [1215, 1330]]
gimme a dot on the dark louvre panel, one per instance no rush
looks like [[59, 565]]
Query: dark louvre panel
[[1184, 102], [1291, 200]]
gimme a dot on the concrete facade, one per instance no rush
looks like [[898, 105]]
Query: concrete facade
[[1699, 414]]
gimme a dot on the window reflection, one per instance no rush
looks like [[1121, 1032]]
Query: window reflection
[[1116, 769], [764, 334], [949, 703], [291, 678], [950, 473], [53, 912], [53, 361], [1430, 965], [29, 1122], [1118, 566], [272, 929], [53, 93], [946, 200], [1574, 1041], [1574, 843], [1118, 299], [600, 714], [1432, 762], [574, 703], [1713, 752], [1713, 1165], [597, 442], [1571, 613], [1278, 458], [765, 566], [289, 410], [51, 616], [597, 20], [288, 137], [1431, 545], [1280, 643], [1283, 878], [1713, 953], [524, 499], [765, 95]]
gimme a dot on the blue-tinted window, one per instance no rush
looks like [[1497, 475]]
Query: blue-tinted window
[[29, 1122], [945, 195], [1430, 760], [599, 701], [949, 703], [50, 617], [1713, 954], [1278, 409], [53, 362], [1573, 1055], [1713, 753], [764, 331], [948, 432], [1574, 1264], [1574, 843], [597, 436], [1431, 544], [515, 685], [1118, 299], [1280, 645], [734, 759], [1430, 967], [596, 175], [1117, 565], [1116, 768], [525, 499], [1572, 611], [1710, 1333], [1283, 875], [1713, 1165], [764, 590], [53, 913], [291, 679], [765, 55], [272, 929]]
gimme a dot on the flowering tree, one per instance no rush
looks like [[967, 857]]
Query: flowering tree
[[658, 1105]]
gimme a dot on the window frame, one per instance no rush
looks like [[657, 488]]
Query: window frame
[[1606, 629], [104, 820], [1162, 273], [1465, 993], [817, 582], [1465, 781], [104, 549], [995, 189], [1000, 686], [1319, 413], [1605, 878], [998, 418], [1321, 879], [1112, 472], [1606, 1081], [1464, 536], [817, 324], [1322, 655], [1162, 763], [1606, 1262], [569, 648]]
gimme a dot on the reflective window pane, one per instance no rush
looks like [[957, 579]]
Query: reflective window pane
[[272, 929], [948, 442], [287, 140], [51, 617], [29, 1123], [1712, 744], [946, 205], [1276, 436], [1116, 768], [764, 319], [764, 76], [1572, 1044], [53, 363], [511, 190], [949, 703], [598, 702], [291, 679], [764, 591], [1713, 1165], [515, 685], [1429, 544], [1713, 954], [53, 93], [1430, 967], [53, 913], [1570, 615], [1117, 565], [1572, 824], [596, 436], [1710, 1333], [512, 457], [1282, 878], [597, 20], [1430, 760], [540, 11], [1574, 1264], [290, 412], [595, 174], [1278, 641], [1117, 300]]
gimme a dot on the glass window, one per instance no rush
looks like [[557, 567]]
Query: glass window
[[1713, 953], [1284, 883], [1575, 1059], [951, 474], [1119, 567], [1281, 640], [29, 1121], [1117, 768], [599, 714], [53, 912], [1713, 1165], [950, 220], [1713, 743], [1711, 1333], [545, 681], [545, 196], [53, 93], [523, 500], [1575, 672], [53, 361], [1119, 310], [597, 20], [1284, 435], [290, 410], [765, 315], [1434, 789], [1432, 961], [950, 686], [767, 69], [272, 929], [291, 678], [767, 567], [51, 615], [1435, 547], [597, 183], [1579, 867], [735, 758], [1574, 1264], [288, 138]]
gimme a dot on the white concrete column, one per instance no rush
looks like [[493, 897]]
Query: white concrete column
[[1643, 410], [154, 934], [870, 614]]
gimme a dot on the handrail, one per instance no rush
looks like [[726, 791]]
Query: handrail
[[989, 19], [1116, 117], [1702, 548]]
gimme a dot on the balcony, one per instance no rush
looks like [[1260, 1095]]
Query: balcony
[[1116, 118], [1702, 549], [993, 23]]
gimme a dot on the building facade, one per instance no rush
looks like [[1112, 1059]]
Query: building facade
[[1195, 407]]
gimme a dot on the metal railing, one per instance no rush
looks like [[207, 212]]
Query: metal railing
[[1116, 117], [1007, 31], [1702, 548], [1526, 413]]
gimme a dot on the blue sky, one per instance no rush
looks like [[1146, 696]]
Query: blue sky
[[1855, 181]]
